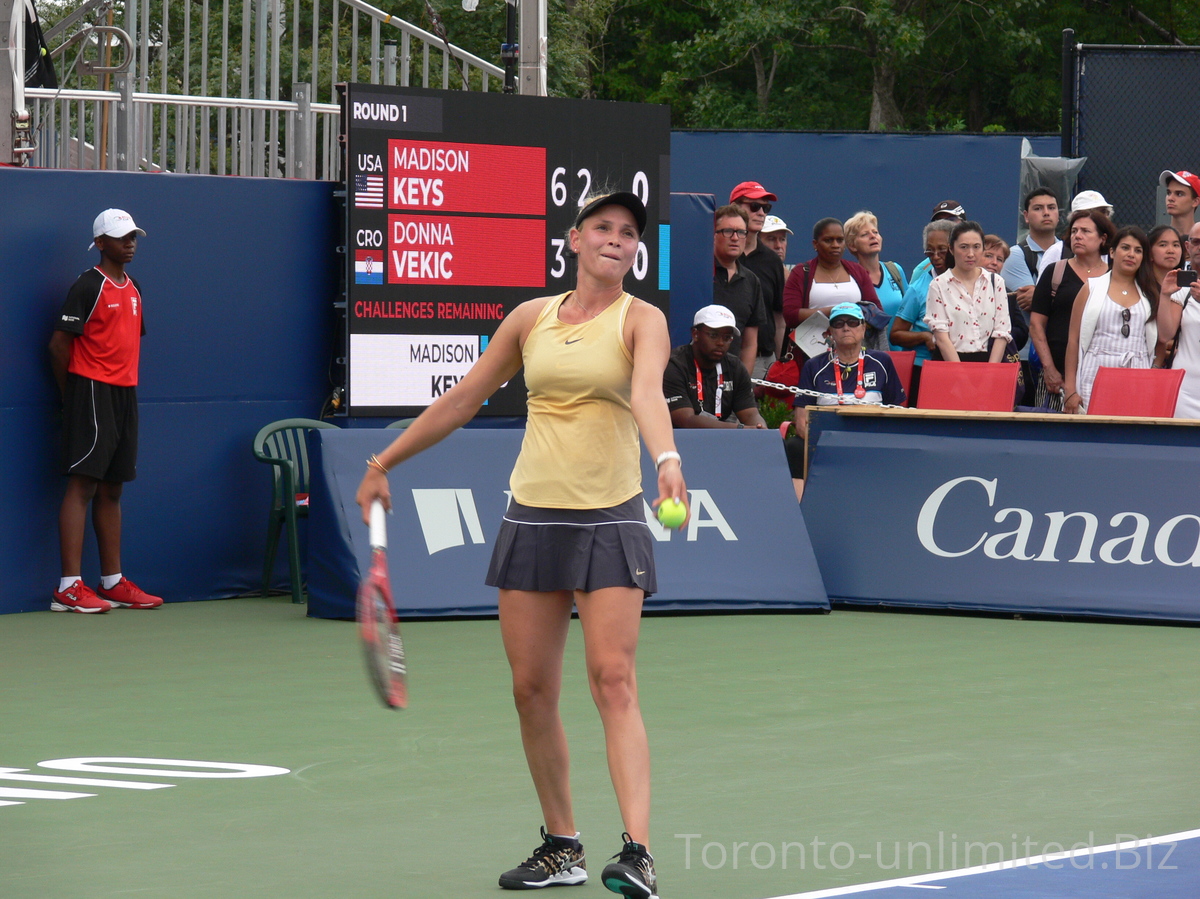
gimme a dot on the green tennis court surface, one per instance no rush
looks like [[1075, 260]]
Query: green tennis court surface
[[792, 753]]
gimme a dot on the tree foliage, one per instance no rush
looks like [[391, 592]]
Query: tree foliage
[[859, 64], [784, 64]]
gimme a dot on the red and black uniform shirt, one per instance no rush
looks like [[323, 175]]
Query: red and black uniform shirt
[[106, 319]]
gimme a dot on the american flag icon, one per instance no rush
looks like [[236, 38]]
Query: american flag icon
[[368, 191]]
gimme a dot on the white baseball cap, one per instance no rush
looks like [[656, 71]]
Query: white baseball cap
[[775, 223], [716, 317], [113, 223], [1089, 199]]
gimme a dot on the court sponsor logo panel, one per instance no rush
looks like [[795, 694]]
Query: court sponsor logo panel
[[1032, 516], [448, 506], [1139, 538], [443, 513]]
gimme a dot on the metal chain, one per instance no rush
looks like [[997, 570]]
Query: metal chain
[[847, 400]]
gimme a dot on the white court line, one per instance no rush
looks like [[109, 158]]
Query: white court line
[[11, 793], [922, 880], [17, 774]]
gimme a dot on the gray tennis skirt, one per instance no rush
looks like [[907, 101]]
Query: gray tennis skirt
[[544, 550]]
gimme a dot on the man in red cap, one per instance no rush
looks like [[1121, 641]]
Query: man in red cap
[[1183, 196], [756, 201]]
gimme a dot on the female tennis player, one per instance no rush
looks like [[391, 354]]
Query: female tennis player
[[574, 531]]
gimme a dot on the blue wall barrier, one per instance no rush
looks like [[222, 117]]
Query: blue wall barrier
[[1066, 516], [239, 275], [691, 261], [899, 177], [746, 546]]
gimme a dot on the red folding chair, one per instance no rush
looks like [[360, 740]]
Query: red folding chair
[[1149, 392], [969, 386], [903, 361]]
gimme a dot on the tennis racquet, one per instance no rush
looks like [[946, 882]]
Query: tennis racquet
[[377, 625]]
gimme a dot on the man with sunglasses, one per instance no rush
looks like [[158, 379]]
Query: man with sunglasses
[[706, 386], [756, 201], [734, 286]]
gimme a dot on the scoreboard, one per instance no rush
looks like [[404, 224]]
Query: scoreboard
[[458, 209]]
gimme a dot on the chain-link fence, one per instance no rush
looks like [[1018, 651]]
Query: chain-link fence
[[1135, 116]]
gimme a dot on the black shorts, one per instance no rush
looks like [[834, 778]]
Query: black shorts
[[100, 430], [545, 550]]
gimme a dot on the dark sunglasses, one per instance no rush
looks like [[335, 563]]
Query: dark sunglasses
[[845, 321], [1125, 319], [757, 207]]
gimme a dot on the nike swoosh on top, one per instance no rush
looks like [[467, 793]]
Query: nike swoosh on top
[[576, 340]]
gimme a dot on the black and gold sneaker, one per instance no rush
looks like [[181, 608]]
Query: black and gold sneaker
[[558, 862], [632, 874]]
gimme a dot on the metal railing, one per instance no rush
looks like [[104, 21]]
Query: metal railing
[[81, 129], [155, 94]]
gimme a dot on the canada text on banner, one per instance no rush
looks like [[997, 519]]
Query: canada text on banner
[[1053, 517]]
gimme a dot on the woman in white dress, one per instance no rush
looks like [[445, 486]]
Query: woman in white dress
[[1113, 319], [1179, 320]]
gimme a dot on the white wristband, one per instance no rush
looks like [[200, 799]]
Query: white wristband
[[666, 457]]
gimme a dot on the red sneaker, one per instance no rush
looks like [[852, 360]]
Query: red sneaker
[[78, 597], [128, 595]]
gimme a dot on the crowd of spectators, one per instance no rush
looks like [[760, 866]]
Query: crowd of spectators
[[1064, 299]]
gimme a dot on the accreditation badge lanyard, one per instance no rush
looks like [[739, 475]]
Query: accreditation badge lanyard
[[859, 392], [719, 392]]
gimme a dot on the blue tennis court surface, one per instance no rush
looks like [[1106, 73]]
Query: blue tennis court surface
[[1166, 867]]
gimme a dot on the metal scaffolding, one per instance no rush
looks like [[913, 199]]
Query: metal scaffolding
[[238, 87]]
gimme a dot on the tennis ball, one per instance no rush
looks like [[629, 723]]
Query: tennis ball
[[671, 513]]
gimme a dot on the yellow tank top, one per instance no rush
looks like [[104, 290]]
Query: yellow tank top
[[581, 443]]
